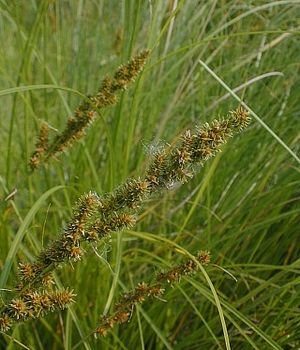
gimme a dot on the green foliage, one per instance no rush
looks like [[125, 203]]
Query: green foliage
[[242, 205]]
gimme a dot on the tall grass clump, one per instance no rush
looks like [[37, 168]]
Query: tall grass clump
[[122, 225]]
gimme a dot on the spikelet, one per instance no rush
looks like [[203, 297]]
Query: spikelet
[[67, 246], [5, 323], [27, 272], [18, 309], [41, 147], [130, 195], [189, 267], [103, 227], [239, 119], [47, 281]]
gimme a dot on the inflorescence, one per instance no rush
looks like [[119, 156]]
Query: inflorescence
[[95, 217], [145, 291], [34, 304], [86, 113]]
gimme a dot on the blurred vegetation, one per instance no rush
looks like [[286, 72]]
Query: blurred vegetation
[[243, 206]]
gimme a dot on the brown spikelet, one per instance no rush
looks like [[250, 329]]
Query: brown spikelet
[[116, 222], [74, 252], [129, 195], [204, 257], [128, 72], [26, 271], [39, 303], [239, 118], [47, 281], [5, 323], [190, 266], [18, 309], [41, 147], [61, 299], [34, 304]]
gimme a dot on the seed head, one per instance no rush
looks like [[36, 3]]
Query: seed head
[[18, 309], [5, 323], [239, 118]]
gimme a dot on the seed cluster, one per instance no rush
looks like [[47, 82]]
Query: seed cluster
[[86, 113], [41, 146], [174, 275], [125, 305], [144, 291], [176, 164], [34, 304]]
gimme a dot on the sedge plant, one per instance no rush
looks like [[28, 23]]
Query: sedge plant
[[96, 217]]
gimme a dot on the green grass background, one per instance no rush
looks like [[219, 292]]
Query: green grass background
[[243, 205]]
